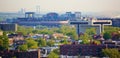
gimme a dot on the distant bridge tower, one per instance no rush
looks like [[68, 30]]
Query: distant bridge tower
[[38, 9]]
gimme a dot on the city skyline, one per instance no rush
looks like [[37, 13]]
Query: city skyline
[[60, 5]]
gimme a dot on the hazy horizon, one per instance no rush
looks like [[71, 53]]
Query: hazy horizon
[[60, 5]]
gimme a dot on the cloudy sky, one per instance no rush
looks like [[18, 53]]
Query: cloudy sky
[[60, 5]]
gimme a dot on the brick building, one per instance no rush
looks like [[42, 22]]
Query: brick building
[[76, 51]]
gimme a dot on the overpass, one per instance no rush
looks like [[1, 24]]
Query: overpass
[[81, 26]]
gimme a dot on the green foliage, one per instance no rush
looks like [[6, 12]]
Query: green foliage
[[65, 29], [111, 29], [40, 27], [14, 57], [97, 42], [107, 35], [112, 53], [41, 42], [31, 44], [25, 30], [35, 31], [43, 31], [69, 31], [64, 41], [56, 51], [1, 44], [87, 36], [46, 31], [90, 31], [4, 42], [50, 43], [73, 34], [23, 47], [85, 39], [53, 55]]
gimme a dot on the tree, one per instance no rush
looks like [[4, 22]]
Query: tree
[[1, 44], [116, 35], [63, 29], [72, 33], [50, 43], [35, 31], [69, 31], [46, 31], [65, 41], [90, 31], [40, 27], [41, 42], [111, 29], [87, 36], [4, 42], [31, 44], [57, 51], [53, 55], [112, 53], [107, 35], [96, 42], [74, 36], [25, 30], [85, 39], [23, 47]]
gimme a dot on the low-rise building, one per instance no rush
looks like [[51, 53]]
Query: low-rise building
[[78, 50], [15, 37], [8, 27]]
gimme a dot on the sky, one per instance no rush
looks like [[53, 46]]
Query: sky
[[60, 5]]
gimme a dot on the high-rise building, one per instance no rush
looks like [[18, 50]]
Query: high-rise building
[[78, 15], [70, 15]]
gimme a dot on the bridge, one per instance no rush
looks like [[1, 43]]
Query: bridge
[[81, 26]]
